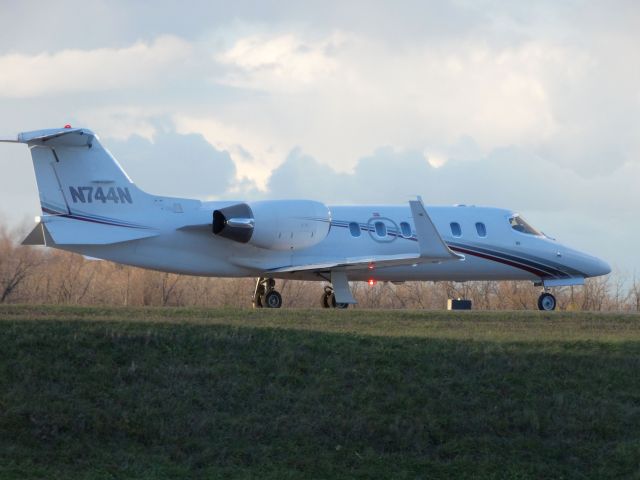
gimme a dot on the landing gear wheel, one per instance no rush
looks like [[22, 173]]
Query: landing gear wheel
[[326, 297], [265, 294], [325, 300], [272, 299], [341, 306], [546, 302], [334, 304], [329, 299]]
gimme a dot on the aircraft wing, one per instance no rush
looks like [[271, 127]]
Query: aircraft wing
[[354, 263], [431, 249]]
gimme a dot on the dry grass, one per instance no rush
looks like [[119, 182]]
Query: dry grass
[[197, 393]]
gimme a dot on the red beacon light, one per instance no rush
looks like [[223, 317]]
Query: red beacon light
[[372, 282], [67, 126]]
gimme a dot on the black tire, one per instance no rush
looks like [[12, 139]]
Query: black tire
[[546, 302], [325, 300], [332, 302], [272, 299]]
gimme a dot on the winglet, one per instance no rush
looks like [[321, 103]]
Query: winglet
[[430, 243]]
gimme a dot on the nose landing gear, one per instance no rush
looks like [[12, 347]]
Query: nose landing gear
[[546, 302], [266, 295]]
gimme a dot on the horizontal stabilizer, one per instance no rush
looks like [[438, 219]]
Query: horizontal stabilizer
[[69, 231], [68, 137]]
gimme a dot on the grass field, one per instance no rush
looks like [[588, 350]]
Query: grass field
[[194, 393]]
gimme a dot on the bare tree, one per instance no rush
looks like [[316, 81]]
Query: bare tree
[[634, 294], [16, 263]]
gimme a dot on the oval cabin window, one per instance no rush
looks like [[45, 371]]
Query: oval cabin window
[[405, 229], [381, 229]]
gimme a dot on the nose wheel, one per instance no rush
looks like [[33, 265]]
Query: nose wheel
[[328, 299], [546, 302], [265, 294]]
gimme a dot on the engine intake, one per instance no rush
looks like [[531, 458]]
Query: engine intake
[[274, 224]]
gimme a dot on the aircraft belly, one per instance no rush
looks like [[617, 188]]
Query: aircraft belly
[[176, 252]]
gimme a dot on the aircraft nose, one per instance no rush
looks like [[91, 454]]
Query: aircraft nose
[[598, 267]]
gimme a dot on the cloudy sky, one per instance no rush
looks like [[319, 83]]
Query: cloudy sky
[[533, 106]]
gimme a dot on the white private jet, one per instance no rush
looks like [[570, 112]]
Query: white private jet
[[90, 206]]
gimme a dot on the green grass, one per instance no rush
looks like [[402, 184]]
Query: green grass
[[195, 393]]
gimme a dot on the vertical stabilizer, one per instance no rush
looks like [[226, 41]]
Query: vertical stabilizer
[[52, 199], [78, 177]]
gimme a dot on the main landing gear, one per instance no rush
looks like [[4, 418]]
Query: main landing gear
[[329, 299], [266, 295], [546, 302]]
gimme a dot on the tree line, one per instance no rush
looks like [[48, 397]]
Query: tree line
[[37, 275]]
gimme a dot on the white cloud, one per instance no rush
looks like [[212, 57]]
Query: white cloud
[[90, 70], [120, 122], [279, 63], [254, 153], [436, 159], [344, 95]]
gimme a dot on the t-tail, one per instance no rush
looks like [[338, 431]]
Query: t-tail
[[85, 196]]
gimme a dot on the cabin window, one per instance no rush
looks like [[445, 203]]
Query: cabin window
[[405, 228], [519, 225], [381, 229], [456, 231], [481, 229], [354, 228]]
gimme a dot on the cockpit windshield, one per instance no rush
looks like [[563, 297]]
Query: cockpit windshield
[[519, 225]]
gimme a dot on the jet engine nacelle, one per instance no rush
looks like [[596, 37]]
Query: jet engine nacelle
[[274, 224]]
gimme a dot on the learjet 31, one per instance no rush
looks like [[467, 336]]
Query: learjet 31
[[90, 206]]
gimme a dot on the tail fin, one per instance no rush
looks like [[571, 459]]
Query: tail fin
[[78, 179]]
